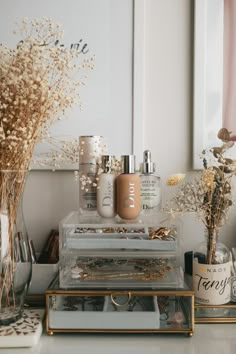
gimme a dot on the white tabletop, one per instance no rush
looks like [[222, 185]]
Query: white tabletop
[[207, 339]]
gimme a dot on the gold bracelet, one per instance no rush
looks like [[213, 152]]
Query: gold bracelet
[[123, 304]]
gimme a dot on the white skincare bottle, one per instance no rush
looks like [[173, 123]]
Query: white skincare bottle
[[150, 186], [106, 189]]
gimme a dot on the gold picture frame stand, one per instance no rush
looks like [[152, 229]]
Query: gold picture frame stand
[[215, 314]]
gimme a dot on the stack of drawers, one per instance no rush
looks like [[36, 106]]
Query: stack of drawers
[[118, 276]]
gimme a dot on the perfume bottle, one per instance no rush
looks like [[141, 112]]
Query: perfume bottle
[[106, 188], [91, 149], [128, 189], [150, 186]]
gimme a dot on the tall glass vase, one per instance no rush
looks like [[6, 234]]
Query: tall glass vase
[[15, 258]]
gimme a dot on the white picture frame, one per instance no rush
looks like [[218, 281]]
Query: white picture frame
[[125, 127]]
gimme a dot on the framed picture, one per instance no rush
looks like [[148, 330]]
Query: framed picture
[[214, 82], [112, 98]]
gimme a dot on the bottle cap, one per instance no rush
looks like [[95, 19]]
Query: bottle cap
[[147, 166], [128, 163], [107, 163]]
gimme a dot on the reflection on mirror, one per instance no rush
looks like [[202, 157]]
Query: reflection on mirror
[[214, 66], [229, 69]]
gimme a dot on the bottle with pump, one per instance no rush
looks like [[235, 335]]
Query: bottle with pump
[[150, 186], [106, 189], [128, 189]]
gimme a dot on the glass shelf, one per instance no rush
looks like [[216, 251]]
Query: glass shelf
[[75, 218]]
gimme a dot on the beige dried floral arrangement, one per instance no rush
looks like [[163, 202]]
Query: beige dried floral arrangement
[[39, 82], [210, 195]]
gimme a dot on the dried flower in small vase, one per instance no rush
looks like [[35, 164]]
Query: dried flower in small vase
[[209, 195]]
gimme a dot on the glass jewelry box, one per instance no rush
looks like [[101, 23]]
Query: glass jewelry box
[[116, 310], [97, 253]]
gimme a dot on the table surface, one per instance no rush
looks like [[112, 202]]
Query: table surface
[[207, 339]]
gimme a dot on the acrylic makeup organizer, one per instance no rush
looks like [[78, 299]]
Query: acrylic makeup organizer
[[118, 276]]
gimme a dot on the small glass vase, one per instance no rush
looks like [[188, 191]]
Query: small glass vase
[[211, 271], [15, 257]]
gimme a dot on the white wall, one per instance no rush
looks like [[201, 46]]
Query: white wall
[[169, 100], [168, 123], [169, 83]]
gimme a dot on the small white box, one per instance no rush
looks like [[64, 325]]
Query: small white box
[[144, 318], [42, 275]]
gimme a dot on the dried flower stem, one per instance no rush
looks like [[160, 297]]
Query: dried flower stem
[[39, 83], [11, 185], [210, 195], [211, 245]]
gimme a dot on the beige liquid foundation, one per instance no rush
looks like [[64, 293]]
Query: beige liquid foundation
[[128, 189]]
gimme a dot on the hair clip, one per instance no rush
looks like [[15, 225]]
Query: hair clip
[[161, 233]]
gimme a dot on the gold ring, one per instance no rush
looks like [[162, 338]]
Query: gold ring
[[122, 304]]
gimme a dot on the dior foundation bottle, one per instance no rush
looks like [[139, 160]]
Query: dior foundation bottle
[[106, 189], [150, 186], [128, 189]]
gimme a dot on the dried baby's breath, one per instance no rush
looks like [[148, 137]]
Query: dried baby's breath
[[210, 195], [39, 83]]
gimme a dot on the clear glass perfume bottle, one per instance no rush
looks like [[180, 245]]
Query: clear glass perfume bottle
[[150, 186]]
